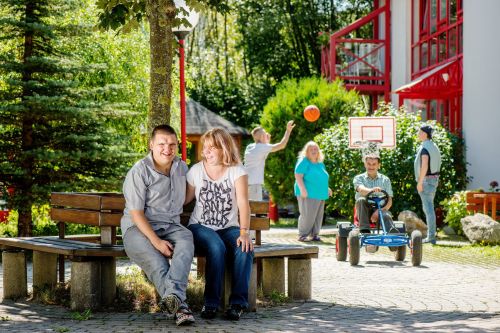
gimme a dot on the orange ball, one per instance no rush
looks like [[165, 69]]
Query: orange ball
[[311, 113]]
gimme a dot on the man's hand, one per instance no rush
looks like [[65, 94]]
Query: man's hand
[[245, 242], [376, 189], [165, 247], [289, 126]]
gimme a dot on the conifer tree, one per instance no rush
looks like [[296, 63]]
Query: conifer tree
[[53, 134]]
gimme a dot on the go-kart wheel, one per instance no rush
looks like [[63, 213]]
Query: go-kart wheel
[[382, 198], [341, 248], [353, 242], [400, 253], [416, 248]]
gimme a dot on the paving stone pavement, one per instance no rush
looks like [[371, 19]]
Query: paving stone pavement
[[379, 295]]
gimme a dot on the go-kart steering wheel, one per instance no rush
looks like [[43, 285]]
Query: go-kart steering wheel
[[382, 198]]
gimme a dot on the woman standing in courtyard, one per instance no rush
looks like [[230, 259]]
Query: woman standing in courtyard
[[311, 190]]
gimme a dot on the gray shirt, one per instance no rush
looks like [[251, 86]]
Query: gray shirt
[[161, 196], [381, 181]]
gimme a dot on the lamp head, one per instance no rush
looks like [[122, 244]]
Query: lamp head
[[185, 14]]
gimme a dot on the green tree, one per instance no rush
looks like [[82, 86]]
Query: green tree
[[239, 57], [126, 15], [292, 96], [53, 136]]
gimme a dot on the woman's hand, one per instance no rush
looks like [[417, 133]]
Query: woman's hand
[[245, 242], [330, 192]]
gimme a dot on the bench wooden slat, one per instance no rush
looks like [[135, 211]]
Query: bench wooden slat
[[110, 219], [285, 250], [63, 246], [75, 216], [259, 207], [31, 244], [113, 202], [74, 200], [259, 223]]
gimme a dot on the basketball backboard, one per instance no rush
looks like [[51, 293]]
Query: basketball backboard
[[381, 130]]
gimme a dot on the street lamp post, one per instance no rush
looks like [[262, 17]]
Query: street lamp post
[[181, 32]]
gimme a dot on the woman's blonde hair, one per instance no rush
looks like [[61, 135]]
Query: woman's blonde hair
[[221, 139], [303, 152]]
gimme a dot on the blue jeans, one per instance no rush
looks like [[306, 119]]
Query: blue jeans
[[218, 247], [427, 196]]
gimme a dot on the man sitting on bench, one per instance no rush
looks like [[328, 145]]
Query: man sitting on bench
[[154, 191], [364, 183]]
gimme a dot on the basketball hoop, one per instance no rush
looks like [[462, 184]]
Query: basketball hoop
[[367, 132]]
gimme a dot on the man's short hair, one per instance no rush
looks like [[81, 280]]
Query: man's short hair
[[165, 129], [256, 131], [371, 156]]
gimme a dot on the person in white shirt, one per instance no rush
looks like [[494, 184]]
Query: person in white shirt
[[255, 158], [220, 184]]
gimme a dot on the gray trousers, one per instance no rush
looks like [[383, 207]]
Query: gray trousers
[[167, 277], [364, 212], [311, 216]]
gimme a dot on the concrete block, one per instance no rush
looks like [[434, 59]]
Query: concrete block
[[252, 289], [15, 280], [108, 281], [299, 278], [44, 269], [273, 275], [85, 285]]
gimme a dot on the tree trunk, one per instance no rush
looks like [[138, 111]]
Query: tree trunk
[[161, 14], [25, 185]]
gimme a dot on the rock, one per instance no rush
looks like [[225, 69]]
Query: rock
[[412, 222], [481, 228], [449, 230]]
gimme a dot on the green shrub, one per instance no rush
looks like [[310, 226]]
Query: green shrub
[[343, 163], [291, 98], [455, 209], [43, 225]]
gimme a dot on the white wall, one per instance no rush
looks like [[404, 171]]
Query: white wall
[[400, 45], [481, 102]]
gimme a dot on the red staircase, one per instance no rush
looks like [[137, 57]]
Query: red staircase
[[363, 64]]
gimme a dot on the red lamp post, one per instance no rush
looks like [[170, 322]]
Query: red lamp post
[[181, 32]]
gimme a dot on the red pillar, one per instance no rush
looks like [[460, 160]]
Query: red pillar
[[183, 99]]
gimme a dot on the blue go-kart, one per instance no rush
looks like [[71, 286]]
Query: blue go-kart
[[393, 235]]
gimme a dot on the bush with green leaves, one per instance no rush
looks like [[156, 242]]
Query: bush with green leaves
[[43, 225], [343, 163], [455, 208], [292, 96]]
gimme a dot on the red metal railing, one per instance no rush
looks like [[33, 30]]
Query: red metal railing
[[363, 64]]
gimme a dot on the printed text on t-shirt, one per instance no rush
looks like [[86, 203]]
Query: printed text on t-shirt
[[216, 201]]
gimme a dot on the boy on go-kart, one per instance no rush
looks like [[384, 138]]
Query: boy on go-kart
[[372, 181]]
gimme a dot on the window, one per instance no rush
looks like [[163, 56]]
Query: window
[[437, 33]]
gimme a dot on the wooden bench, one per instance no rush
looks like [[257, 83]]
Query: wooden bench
[[487, 203], [93, 257]]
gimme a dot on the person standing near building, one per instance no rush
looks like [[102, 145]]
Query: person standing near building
[[154, 191], [427, 165], [255, 158]]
